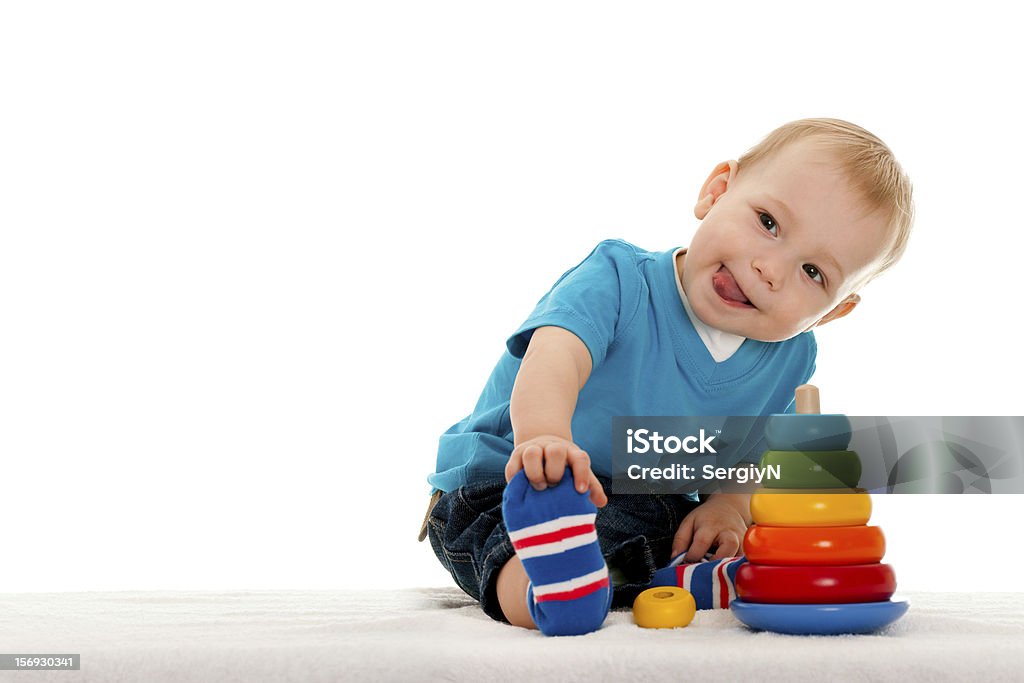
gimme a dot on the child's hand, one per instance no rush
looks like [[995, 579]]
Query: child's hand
[[544, 459], [714, 523]]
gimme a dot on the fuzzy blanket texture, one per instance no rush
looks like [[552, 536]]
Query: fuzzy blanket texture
[[441, 634]]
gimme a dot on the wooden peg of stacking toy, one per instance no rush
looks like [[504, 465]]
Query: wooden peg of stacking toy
[[808, 401]]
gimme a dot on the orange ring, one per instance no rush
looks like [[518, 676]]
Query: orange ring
[[810, 507], [834, 545]]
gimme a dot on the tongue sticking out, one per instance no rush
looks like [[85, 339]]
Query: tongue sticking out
[[726, 287]]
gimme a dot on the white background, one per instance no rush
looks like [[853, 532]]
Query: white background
[[257, 257]]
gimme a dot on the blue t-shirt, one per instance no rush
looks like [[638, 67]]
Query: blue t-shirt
[[623, 303]]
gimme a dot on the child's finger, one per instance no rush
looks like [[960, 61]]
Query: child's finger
[[554, 462], [728, 545], [514, 464], [597, 495], [533, 463], [682, 538], [702, 540], [579, 463]]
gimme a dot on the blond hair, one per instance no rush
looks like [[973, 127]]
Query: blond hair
[[869, 164]]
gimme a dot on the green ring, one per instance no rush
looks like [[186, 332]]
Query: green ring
[[812, 469]]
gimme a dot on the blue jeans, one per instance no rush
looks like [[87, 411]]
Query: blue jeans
[[468, 536]]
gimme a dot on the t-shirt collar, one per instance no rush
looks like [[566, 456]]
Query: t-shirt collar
[[720, 344]]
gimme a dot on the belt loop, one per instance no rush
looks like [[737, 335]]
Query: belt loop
[[430, 508]]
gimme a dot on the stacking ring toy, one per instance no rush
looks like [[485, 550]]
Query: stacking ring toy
[[835, 545], [812, 469], [821, 620], [810, 507], [821, 584], [807, 432], [664, 607]]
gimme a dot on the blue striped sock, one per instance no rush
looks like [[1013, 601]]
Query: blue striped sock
[[554, 536], [712, 582]]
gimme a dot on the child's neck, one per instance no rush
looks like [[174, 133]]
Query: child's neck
[[721, 345]]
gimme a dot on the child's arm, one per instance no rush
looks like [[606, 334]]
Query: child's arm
[[554, 369]]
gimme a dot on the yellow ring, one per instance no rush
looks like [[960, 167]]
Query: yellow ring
[[664, 607], [821, 507]]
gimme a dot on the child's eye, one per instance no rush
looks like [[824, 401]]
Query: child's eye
[[814, 273], [768, 222]]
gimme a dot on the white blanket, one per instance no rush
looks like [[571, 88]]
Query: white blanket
[[439, 633]]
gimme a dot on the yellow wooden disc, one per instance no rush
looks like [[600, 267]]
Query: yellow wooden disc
[[664, 607], [819, 507]]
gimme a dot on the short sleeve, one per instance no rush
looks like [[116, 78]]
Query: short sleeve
[[595, 300]]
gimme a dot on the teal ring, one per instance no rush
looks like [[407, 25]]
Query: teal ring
[[808, 432]]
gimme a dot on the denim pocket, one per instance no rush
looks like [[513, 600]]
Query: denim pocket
[[459, 527], [457, 563]]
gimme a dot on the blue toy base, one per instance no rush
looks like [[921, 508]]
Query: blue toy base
[[821, 620]]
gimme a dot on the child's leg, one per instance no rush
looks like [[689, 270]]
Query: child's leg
[[712, 582], [513, 584], [554, 537]]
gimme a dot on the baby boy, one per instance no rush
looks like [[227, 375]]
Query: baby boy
[[789, 234]]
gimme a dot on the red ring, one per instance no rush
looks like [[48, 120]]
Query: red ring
[[808, 585], [835, 545]]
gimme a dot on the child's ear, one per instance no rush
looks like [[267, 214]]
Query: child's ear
[[714, 187], [844, 307]]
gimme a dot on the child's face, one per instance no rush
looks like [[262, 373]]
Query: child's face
[[782, 245]]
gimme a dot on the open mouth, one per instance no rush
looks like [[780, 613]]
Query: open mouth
[[729, 290]]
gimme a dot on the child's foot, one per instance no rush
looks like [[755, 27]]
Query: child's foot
[[712, 582], [554, 536]]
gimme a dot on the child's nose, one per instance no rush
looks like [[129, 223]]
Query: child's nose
[[768, 270]]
